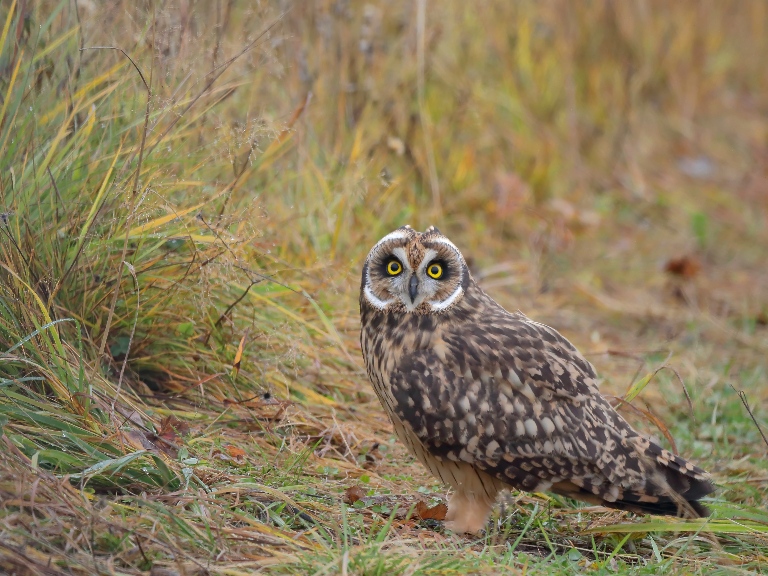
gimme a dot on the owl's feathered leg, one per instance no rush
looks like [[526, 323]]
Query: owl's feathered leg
[[467, 513], [471, 503]]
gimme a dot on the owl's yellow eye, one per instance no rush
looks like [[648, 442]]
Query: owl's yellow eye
[[435, 270], [394, 268]]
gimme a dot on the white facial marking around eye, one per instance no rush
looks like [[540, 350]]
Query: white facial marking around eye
[[374, 300], [446, 242], [448, 301], [402, 256], [396, 235], [428, 257]]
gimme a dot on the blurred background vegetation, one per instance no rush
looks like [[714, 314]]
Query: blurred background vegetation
[[187, 192]]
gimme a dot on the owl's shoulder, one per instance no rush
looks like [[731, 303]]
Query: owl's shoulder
[[510, 346]]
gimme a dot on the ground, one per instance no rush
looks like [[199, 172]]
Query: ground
[[188, 191]]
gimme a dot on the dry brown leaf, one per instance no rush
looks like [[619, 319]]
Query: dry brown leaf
[[684, 266], [138, 439], [353, 494], [436, 512], [171, 427], [239, 355], [232, 454], [235, 452]]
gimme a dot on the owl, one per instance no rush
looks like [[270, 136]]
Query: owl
[[488, 399]]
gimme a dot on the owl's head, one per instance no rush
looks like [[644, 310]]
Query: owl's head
[[410, 271]]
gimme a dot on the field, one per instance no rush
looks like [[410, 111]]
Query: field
[[187, 193]]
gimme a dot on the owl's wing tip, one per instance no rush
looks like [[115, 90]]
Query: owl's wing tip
[[640, 504]]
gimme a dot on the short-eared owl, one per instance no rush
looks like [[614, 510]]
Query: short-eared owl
[[487, 399]]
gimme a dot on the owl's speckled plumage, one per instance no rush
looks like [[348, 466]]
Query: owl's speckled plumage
[[487, 399]]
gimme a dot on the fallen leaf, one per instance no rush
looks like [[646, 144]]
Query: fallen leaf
[[171, 427], [685, 266], [138, 439], [353, 494], [239, 355], [235, 452], [167, 438], [232, 454], [437, 512]]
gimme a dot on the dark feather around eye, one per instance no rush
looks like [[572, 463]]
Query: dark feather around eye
[[447, 270], [384, 264]]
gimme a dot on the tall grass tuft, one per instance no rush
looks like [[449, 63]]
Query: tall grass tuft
[[118, 258]]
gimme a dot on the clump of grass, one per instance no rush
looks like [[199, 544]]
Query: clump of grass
[[186, 194]]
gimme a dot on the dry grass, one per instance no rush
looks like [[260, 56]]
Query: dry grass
[[181, 390]]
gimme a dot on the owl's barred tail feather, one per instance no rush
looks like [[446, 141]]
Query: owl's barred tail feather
[[673, 488], [685, 508]]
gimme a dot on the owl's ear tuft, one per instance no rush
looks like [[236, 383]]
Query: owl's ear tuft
[[432, 230]]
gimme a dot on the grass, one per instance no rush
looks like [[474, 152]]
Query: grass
[[187, 192]]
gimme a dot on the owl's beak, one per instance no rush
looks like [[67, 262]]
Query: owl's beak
[[413, 287]]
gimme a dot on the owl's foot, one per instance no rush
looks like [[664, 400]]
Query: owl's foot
[[467, 514]]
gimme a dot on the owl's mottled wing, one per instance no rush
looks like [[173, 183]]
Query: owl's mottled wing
[[518, 401]]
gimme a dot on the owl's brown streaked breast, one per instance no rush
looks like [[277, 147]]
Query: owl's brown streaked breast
[[383, 345], [379, 358]]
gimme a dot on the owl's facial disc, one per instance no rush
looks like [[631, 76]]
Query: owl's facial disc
[[409, 271]]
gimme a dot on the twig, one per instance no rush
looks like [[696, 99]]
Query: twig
[[56, 189], [685, 391], [743, 397], [124, 54], [141, 549], [238, 175], [214, 75], [13, 241], [34, 566], [651, 417], [80, 26], [132, 271], [229, 309], [131, 213], [426, 124], [245, 269], [679, 378], [757, 479]]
